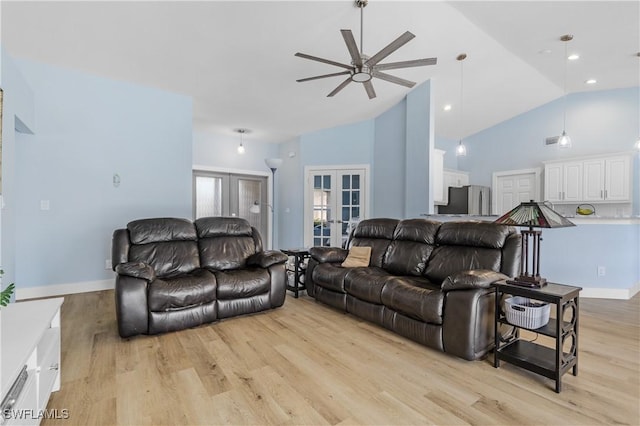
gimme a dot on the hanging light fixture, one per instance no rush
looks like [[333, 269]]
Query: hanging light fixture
[[461, 149], [565, 141], [242, 132]]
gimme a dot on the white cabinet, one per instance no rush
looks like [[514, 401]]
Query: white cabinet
[[563, 182], [592, 179], [30, 342], [617, 178], [438, 170]]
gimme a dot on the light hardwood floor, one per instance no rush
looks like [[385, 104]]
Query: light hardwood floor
[[308, 364]]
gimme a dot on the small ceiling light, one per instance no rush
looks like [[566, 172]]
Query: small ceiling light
[[544, 51], [575, 56], [461, 150], [447, 107], [591, 81], [565, 141], [242, 132]]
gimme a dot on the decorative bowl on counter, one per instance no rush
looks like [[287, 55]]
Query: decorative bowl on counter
[[585, 210]]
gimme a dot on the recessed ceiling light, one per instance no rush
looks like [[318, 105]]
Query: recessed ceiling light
[[544, 51], [573, 57], [591, 81], [447, 107]]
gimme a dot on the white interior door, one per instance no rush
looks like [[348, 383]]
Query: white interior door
[[335, 201], [512, 188]]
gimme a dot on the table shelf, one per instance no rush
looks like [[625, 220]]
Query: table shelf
[[546, 361]]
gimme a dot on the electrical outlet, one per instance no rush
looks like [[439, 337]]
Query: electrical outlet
[[602, 271], [107, 264]]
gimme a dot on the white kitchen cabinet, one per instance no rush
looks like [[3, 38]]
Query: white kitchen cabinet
[[589, 179], [617, 179], [593, 182], [563, 182], [437, 175]]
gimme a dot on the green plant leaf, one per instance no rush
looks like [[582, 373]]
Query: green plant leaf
[[5, 295]]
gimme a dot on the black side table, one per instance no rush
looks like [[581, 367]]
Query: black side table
[[299, 268], [548, 362]]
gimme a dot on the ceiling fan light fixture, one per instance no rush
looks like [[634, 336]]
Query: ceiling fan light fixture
[[361, 77]]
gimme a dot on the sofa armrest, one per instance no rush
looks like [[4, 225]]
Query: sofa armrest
[[267, 258], [471, 279], [328, 254], [136, 270]]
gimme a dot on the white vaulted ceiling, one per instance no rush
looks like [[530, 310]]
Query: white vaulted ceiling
[[236, 59]]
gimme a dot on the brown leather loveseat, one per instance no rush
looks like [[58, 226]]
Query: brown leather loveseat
[[426, 280], [174, 274]]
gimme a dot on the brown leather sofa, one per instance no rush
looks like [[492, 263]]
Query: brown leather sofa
[[174, 274], [426, 280]]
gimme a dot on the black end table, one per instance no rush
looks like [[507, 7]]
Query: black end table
[[548, 362], [300, 255]]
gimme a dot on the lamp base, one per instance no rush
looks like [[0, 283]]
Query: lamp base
[[528, 281]]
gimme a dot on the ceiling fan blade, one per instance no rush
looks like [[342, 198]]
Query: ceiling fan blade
[[340, 87], [323, 76], [368, 86], [390, 48], [352, 47], [324, 61], [393, 79], [407, 64]]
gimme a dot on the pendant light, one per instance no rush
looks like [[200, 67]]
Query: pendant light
[[242, 132], [461, 149], [565, 141]]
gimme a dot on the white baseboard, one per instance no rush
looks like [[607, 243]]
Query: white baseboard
[[610, 293], [61, 289]]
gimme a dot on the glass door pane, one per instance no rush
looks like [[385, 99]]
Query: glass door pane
[[352, 202], [322, 205], [208, 196], [250, 191]]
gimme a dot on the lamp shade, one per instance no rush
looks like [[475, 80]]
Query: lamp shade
[[273, 163], [534, 215]]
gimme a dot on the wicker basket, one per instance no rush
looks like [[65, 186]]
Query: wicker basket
[[526, 313]]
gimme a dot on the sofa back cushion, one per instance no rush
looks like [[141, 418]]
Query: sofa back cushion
[[377, 234], [169, 245], [466, 245], [413, 242], [225, 242]]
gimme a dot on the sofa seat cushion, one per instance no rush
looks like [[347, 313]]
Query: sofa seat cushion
[[188, 290], [331, 276], [242, 283], [414, 299], [366, 284]]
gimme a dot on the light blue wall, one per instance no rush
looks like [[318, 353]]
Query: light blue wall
[[291, 195], [18, 109], [390, 162], [598, 122], [572, 255], [89, 128], [449, 147], [419, 146]]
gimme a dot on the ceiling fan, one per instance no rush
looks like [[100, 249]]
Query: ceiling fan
[[363, 68]]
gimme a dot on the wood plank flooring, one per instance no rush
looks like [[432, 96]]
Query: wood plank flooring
[[307, 364]]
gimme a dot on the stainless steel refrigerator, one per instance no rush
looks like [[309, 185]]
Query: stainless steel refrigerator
[[470, 199]]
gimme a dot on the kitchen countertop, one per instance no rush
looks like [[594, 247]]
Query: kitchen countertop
[[578, 220]]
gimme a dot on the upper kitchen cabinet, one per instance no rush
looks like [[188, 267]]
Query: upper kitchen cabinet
[[589, 179]]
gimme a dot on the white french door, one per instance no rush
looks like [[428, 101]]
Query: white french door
[[336, 199], [229, 194]]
